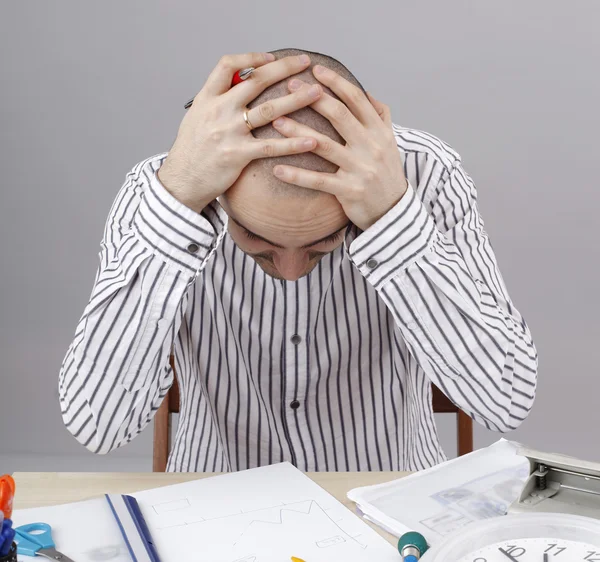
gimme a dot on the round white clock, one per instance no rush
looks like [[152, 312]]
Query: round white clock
[[531, 537]]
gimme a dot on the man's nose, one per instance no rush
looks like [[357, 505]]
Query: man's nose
[[291, 266]]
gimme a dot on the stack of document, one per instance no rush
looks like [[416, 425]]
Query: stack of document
[[266, 514], [440, 500]]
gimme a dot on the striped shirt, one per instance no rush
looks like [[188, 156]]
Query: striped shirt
[[329, 372]]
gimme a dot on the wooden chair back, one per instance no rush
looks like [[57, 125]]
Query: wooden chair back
[[162, 423], [464, 424]]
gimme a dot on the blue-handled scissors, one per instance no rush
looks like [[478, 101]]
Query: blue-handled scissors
[[35, 539]]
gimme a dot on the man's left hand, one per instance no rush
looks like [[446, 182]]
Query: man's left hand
[[370, 179]]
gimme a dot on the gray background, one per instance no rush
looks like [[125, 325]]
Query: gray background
[[91, 88]]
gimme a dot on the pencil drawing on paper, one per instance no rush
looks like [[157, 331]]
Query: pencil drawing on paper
[[303, 523], [287, 515], [326, 543], [171, 506]]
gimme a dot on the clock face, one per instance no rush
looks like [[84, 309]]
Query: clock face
[[534, 537], [535, 550]]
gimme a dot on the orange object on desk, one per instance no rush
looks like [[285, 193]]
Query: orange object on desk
[[7, 494]]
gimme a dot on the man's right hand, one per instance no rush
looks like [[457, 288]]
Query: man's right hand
[[214, 144]]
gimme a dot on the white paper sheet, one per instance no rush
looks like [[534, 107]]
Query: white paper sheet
[[261, 515], [440, 500], [265, 514], [84, 531]]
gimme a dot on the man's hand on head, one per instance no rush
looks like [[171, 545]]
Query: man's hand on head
[[370, 179], [214, 143]]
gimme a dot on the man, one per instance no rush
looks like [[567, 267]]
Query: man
[[311, 307]]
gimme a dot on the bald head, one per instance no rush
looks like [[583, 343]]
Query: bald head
[[287, 237], [263, 167]]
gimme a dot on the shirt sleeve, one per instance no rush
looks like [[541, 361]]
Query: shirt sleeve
[[116, 371], [437, 273]]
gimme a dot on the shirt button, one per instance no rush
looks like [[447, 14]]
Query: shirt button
[[295, 405], [295, 339], [372, 263], [193, 248]]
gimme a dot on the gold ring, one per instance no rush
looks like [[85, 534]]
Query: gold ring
[[247, 120]]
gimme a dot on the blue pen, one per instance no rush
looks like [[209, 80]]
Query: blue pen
[[9, 540], [5, 535], [10, 535], [3, 527], [6, 538]]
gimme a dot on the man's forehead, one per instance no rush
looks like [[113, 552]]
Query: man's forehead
[[297, 240], [284, 219], [292, 215]]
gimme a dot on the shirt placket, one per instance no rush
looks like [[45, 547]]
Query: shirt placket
[[294, 389]]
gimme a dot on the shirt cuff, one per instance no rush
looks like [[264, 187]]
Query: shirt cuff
[[175, 232], [396, 240]]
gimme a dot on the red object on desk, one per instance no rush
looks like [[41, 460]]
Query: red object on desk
[[7, 494]]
